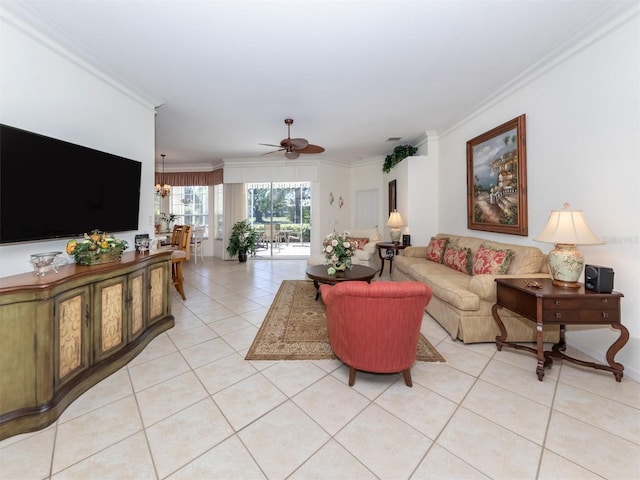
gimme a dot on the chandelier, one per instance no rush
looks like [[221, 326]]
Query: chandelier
[[162, 188]]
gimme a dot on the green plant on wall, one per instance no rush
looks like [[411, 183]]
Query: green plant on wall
[[399, 153]]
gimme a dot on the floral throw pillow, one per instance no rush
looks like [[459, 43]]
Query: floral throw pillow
[[435, 249], [458, 258], [359, 241], [492, 261]]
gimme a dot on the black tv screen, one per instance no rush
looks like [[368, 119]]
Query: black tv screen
[[51, 188]]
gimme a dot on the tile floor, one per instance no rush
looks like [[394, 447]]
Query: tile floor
[[190, 407]]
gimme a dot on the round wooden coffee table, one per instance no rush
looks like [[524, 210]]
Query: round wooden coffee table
[[318, 273]]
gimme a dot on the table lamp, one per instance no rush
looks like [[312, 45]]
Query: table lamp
[[566, 229], [395, 222]]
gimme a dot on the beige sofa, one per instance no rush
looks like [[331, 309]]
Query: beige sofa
[[461, 302], [367, 255]]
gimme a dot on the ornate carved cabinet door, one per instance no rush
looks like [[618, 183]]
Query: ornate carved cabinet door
[[72, 324], [159, 306], [137, 302], [110, 315]]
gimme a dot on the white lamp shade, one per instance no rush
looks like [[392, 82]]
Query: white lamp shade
[[568, 227], [395, 220]]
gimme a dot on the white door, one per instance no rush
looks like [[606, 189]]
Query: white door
[[366, 209]]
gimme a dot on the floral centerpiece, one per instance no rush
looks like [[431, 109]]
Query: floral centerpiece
[[338, 250], [96, 248]]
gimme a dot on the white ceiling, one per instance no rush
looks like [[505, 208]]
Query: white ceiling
[[350, 73]]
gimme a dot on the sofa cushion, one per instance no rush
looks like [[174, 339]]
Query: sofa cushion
[[436, 248], [447, 284], [491, 261], [371, 233], [359, 241], [526, 259], [458, 258], [362, 255]]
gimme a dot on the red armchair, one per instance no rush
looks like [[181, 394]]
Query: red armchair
[[375, 327]]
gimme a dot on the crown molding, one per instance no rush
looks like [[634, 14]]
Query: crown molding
[[44, 33]]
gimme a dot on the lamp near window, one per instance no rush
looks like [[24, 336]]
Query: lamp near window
[[566, 229], [395, 222], [162, 188]]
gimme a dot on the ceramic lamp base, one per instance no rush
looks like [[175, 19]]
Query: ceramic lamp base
[[566, 264], [395, 235]]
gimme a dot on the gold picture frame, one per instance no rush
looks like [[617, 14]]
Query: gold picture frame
[[497, 179]]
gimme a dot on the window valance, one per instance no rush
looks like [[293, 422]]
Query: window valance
[[184, 179]]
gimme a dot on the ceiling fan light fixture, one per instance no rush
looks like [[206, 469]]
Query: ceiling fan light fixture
[[293, 147], [299, 143]]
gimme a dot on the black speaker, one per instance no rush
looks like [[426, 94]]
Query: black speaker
[[406, 240], [599, 279]]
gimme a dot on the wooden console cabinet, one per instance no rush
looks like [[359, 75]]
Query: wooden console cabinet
[[62, 333]]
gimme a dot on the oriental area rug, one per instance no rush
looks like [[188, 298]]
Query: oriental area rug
[[295, 328]]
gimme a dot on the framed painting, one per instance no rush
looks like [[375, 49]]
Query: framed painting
[[497, 179], [392, 196]]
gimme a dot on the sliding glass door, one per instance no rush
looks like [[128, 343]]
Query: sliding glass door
[[281, 214]]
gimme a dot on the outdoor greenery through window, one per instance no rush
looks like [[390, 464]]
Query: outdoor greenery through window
[[191, 205], [280, 209]]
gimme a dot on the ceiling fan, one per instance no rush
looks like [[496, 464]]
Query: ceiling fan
[[293, 147]]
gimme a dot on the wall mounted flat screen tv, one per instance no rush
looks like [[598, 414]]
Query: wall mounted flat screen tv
[[51, 188]]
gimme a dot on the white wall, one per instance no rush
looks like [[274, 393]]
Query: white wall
[[417, 195], [583, 124], [56, 95]]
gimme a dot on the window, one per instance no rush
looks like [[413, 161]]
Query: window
[[191, 205], [281, 214]]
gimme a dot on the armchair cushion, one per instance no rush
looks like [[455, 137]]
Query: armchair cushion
[[375, 327]]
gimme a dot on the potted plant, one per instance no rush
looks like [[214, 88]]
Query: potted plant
[[243, 240], [167, 220]]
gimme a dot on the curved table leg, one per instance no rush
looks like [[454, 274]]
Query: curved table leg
[[617, 368], [502, 338], [544, 360], [614, 367], [381, 261]]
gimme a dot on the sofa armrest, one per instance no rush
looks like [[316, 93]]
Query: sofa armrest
[[485, 285], [370, 248], [417, 251]]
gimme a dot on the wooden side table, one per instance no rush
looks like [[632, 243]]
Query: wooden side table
[[391, 249], [319, 274], [542, 302]]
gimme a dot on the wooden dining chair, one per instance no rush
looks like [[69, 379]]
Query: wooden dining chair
[[181, 252]]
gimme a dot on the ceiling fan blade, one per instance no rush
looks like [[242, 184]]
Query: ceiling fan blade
[[274, 151], [270, 145], [311, 149], [298, 143], [293, 147]]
